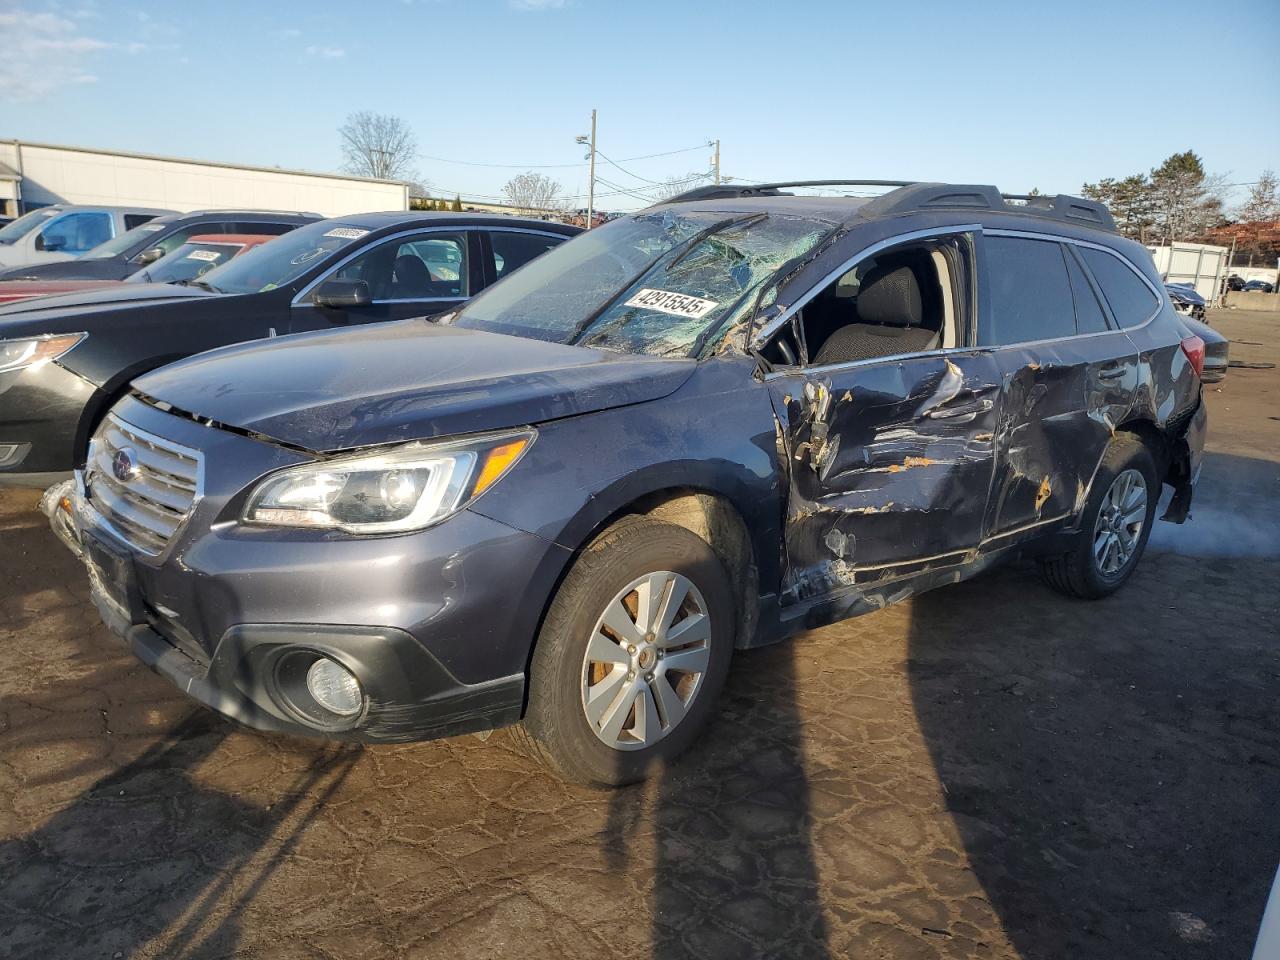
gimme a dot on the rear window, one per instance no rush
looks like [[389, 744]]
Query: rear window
[[132, 220], [1131, 300], [1028, 290]]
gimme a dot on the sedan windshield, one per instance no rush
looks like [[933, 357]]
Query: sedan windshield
[[189, 261], [12, 232], [659, 283], [283, 260]]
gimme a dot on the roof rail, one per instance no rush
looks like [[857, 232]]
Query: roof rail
[[951, 196], [914, 196], [731, 191]]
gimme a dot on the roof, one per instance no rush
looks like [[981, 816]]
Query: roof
[[202, 163], [411, 218], [906, 198]]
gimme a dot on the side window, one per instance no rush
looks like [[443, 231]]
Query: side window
[[1131, 300], [77, 232], [908, 299], [1089, 315], [1029, 293], [415, 268], [511, 251], [132, 220]]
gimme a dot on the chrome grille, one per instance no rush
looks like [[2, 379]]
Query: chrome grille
[[143, 485]]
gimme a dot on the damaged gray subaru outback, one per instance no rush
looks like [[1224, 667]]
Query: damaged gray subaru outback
[[702, 427]]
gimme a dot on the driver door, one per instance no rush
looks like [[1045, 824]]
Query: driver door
[[890, 457]]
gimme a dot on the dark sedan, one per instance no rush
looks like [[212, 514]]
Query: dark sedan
[[128, 253], [64, 360]]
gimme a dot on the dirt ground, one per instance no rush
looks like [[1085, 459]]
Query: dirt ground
[[990, 770]]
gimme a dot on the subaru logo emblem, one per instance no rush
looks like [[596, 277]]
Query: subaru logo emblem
[[124, 465]]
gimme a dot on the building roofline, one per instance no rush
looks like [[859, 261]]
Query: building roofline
[[202, 163]]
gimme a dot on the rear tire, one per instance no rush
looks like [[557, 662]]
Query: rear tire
[[1114, 526], [609, 701]]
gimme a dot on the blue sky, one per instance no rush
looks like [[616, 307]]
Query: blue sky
[[1016, 94]]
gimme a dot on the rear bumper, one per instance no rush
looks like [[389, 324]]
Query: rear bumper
[[1184, 466]]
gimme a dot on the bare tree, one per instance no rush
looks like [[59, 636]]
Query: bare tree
[[1263, 205], [379, 145], [532, 192], [674, 186]]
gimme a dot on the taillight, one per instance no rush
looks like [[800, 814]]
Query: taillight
[[1193, 347]]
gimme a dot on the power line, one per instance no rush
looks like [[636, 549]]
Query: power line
[[557, 166]]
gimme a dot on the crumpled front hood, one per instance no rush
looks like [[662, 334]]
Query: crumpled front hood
[[398, 382]]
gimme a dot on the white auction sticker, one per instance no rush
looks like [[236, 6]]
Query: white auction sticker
[[677, 304], [208, 256], [346, 233]]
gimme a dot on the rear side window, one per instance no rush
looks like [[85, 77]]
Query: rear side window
[[1028, 291], [132, 220], [1089, 315], [511, 251], [1131, 300]]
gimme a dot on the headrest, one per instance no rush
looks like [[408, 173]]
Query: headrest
[[891, 298], [410, 269]]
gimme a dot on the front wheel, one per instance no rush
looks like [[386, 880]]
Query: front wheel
[[1114, 527], [632, 656]]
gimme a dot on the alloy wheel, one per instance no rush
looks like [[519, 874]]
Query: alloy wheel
[[1121, 517], [645, 660]]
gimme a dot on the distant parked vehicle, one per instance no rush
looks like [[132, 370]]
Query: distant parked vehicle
[[65, 359], [64, 231], [145, 243], [1258, 286], [1186, 300], [190, 261], [1235, 282]]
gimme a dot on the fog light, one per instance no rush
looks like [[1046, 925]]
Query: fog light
[[334, 687]]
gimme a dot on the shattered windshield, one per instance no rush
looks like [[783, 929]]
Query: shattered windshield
[[657, 283]]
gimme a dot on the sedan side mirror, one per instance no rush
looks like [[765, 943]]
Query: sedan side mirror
[[342, 294], [149, 256], [50, 244]]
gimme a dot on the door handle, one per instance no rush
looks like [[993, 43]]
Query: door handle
[[959, 410]]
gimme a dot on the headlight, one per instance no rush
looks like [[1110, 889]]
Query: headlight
[[33, 351], [406, 488]]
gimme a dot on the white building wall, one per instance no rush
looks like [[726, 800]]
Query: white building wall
[[55, 174], [1202, 265]]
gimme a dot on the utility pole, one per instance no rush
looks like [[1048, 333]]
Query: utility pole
[[590, 142], [716, 162]]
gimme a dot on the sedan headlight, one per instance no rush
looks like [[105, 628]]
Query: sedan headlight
[[394, 491], [33, 351]]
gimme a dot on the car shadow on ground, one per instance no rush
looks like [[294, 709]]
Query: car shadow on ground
[[727, 830], [1113, 775]]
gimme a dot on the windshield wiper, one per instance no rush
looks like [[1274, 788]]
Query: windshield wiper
[[202, 284], [679, 252]]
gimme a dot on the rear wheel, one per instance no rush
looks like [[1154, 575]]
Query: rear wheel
[[632, 656], [1114, 527]]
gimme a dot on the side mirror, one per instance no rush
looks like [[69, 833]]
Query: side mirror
[[342, 294], [148, 256], [50, 244]]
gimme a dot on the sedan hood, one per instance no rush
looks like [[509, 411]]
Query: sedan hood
[[103, 298], [397, 382], [99, 268]]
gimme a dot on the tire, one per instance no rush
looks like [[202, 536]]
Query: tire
[[564, 685], [1091, 570]]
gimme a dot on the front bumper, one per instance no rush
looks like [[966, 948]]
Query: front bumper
[[41, 409], [437, 626]]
